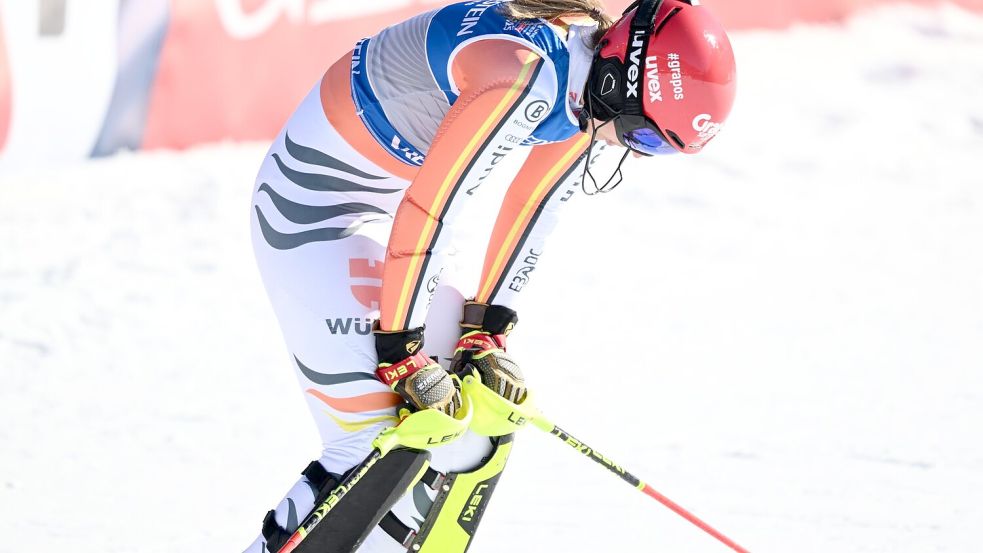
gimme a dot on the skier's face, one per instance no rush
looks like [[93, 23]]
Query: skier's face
[[609, 135]]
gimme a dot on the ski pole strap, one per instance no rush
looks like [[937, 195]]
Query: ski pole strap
[[432, 478], [321, 479], [398, 531], [322, 483], [391, 524], [391, 373]]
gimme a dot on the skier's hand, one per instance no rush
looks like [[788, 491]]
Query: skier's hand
[[482, 346], [421, 381]]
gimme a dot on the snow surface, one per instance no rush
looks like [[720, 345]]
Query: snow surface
[[784, 334]]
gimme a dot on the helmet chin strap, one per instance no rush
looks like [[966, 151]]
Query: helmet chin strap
[[641, 26], [587, 119]]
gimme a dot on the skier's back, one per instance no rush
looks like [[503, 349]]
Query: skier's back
[[365, 229]]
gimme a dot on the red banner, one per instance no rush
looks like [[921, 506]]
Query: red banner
[[230, 72], [236, 69], [192, 71], [777, 14], [4, 90]]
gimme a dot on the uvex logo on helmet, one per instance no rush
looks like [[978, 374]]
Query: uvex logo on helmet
[[652, 74], [635, 63]]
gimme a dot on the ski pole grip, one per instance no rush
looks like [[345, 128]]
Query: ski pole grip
[[426, 429], [493, 414]]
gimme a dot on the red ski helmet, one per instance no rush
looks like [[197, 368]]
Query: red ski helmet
[[665, 74]]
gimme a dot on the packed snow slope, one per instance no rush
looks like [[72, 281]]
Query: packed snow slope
[[784, 334]]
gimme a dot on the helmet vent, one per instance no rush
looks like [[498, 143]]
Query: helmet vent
[[675, 138], [666, 19]]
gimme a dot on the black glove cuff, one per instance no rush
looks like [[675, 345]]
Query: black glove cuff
[[494, 319], [395, 345], [499, 320]]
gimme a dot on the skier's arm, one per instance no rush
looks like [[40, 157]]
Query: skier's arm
[[489, 119], [548, 179]]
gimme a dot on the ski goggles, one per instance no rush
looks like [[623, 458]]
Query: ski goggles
[[641, 135]]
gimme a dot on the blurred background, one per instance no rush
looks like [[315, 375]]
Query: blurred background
[[806, 296]]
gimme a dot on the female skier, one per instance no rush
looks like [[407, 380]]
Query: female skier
[[377, 202]]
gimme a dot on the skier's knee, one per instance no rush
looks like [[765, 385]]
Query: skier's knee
[[334, 514], [449, 526], [460, 503], [280, 523]]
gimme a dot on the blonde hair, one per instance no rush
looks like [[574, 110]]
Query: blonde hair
[[552, 9]]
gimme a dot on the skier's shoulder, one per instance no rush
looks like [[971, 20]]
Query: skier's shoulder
[[461, 24]]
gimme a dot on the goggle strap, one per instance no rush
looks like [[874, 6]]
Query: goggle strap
[[630, 7], [645, 16], [641, 24]]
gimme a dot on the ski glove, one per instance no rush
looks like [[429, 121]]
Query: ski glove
[[420, 380], [482, 346]]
